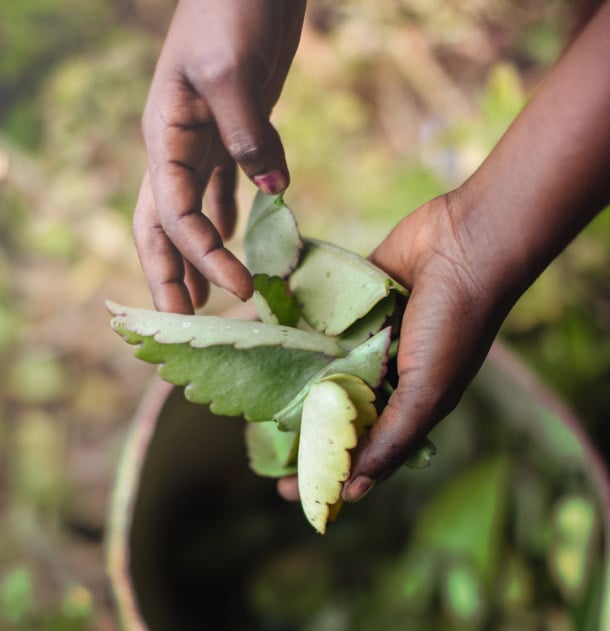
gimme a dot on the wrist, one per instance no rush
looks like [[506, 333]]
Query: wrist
[[490, 245]]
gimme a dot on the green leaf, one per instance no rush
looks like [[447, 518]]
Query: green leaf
[[272, 297], [570, 554], [362, 397], [271, 452], [367, 361], [463, 594], [16, 595], [474, 505], [239, 367], [369, 324], [328, 432], [421, 456], [204, 331], [335, 288], [272, 243]]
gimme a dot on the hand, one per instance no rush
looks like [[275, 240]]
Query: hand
[[220, 72], [455, 307], [466, 257], [451, 318]]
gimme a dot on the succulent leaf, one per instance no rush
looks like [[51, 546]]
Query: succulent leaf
[[238, 367], [271, 451], [335, 288], [327, 434], [272, 243]]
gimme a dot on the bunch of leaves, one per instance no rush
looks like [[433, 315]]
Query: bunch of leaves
[[308, 374]]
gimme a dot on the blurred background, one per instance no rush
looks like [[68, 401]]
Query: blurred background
[[388, 104]]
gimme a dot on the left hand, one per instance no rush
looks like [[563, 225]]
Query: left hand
[[220, 72]]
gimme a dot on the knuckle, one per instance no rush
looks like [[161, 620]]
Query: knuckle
[[217, 70], [245, 149], [176, 220]]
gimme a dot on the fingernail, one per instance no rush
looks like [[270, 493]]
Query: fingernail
[[358, 488], [271, 183]]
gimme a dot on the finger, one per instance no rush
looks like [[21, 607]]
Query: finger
[[443, 342], [162, 264], [178, 180], [288, 488], [197, 286], [386, 446], [244, 126], [220, 198]]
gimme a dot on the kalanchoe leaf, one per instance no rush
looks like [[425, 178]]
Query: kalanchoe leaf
[[362, 397], [327, 435], [272, 296], [335, 288], [203, 331], [271, 452], [421, 456], [272, 242], [236, 366], [263, 309], [369, 324], [367, 362]]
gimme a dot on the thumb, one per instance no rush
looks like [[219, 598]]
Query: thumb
[[407, 418], [445, 336]]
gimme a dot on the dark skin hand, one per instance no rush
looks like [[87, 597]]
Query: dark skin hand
[[469, 255], [220, 72]]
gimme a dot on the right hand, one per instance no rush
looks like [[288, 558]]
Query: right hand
[[453, 313], [220, 72]]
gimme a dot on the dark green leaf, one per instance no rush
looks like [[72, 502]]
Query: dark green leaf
[[276, 299]]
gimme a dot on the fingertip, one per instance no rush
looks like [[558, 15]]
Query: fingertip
[[224, 270], [288, 488], [354, 490], [384, 449], [273, 183], [245, 290]]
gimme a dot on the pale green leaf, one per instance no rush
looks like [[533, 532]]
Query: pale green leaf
[[327, 435], [369, 324], [238, 367], [272, 243], [361, 396], [203, 331], [270, 451], [263, 309], [367, 361], [334, 287]]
